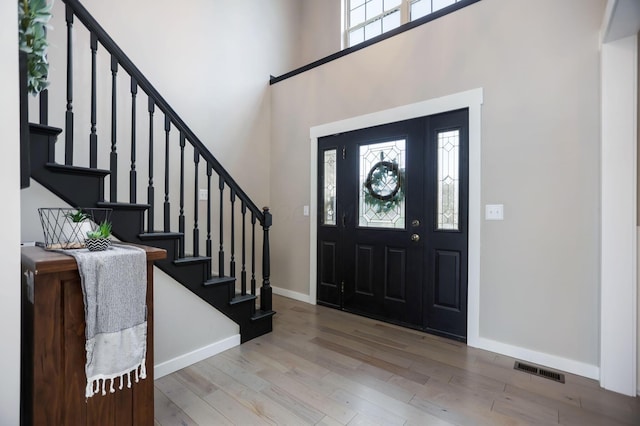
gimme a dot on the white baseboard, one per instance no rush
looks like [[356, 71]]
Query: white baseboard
[[552, 361], [175, 364], [292, 295]]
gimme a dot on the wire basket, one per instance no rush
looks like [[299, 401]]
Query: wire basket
[[66, 228]]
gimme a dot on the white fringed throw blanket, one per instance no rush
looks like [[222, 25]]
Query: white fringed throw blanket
[[114, 285]]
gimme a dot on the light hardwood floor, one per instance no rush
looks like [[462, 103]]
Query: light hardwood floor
[[326, 367]]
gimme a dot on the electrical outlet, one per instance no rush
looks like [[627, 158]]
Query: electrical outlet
[[494, 212], [202, 195]]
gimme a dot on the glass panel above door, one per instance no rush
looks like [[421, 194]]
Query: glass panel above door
[[448, 215], [382, 185], [329, 187]]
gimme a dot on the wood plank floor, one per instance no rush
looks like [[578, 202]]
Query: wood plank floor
[[321, 366]]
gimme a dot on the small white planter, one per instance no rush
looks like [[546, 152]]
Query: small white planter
[[74, 233]]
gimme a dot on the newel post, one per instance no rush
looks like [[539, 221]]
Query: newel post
[[265, 291]]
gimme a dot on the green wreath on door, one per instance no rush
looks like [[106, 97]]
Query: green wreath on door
[[383, 188]]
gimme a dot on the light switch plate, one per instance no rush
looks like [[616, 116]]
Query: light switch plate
[[305, 210], [494, 212], [202, 195]]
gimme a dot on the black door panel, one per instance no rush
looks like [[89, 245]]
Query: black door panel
[[382, 252]]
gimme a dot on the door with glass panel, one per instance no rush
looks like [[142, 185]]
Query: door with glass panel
[[392, 222]]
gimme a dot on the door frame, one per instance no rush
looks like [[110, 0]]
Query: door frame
[[471, 99]]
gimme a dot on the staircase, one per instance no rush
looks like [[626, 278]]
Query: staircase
[[213, 276]]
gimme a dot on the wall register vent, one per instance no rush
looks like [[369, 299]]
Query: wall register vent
[[542, 372]]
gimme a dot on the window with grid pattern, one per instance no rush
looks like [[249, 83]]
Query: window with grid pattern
[[367, 19]]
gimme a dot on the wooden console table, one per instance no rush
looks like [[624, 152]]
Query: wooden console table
[[53, 349]]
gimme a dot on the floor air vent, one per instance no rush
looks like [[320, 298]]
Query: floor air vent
[[542, 372]]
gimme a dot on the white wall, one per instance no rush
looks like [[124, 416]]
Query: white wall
[[10, 233], [211, 60], [187, 329], [540, 157]]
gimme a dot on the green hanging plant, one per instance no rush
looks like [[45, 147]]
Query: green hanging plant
[[33, 16]]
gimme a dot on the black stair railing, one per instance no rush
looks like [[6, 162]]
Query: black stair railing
[[119, 64]]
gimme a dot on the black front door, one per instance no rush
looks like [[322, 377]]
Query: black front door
[[392, 228]]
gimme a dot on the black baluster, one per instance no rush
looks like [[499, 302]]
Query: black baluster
[[243, 270], [196, 231], [265, 291], [150, 189], [232, 264], [221, 250], [113, 157], [209, 246], [133, 174], [93, 138], [44, 106], [253, 254], [68, 137], [181, 217], [43, 102], [167, 209]]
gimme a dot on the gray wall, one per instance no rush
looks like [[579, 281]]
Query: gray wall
[[540, 149], [320, 29]]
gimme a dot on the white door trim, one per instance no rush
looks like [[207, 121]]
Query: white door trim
[[471, 99]]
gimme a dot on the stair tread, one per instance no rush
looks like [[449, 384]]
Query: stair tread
[[260, 314], [189, 260], [45, 128], [63, 168], [238, 298], [159, 235], [219, 280], [124, 206]]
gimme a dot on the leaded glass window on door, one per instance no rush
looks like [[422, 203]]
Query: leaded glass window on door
[[449, 180], [329, 186], [382, 185]]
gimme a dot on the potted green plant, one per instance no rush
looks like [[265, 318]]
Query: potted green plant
[[78, 216], [98, 239]]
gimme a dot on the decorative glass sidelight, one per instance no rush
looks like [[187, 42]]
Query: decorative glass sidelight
[[448, 215], [329, 185], [382, 185]]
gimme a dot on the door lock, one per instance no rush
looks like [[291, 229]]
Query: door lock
[[415, 238], [415, 223]]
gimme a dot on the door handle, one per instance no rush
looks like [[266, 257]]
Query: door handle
[[415, 238]]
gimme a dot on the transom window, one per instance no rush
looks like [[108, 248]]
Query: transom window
[[369, 18]]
